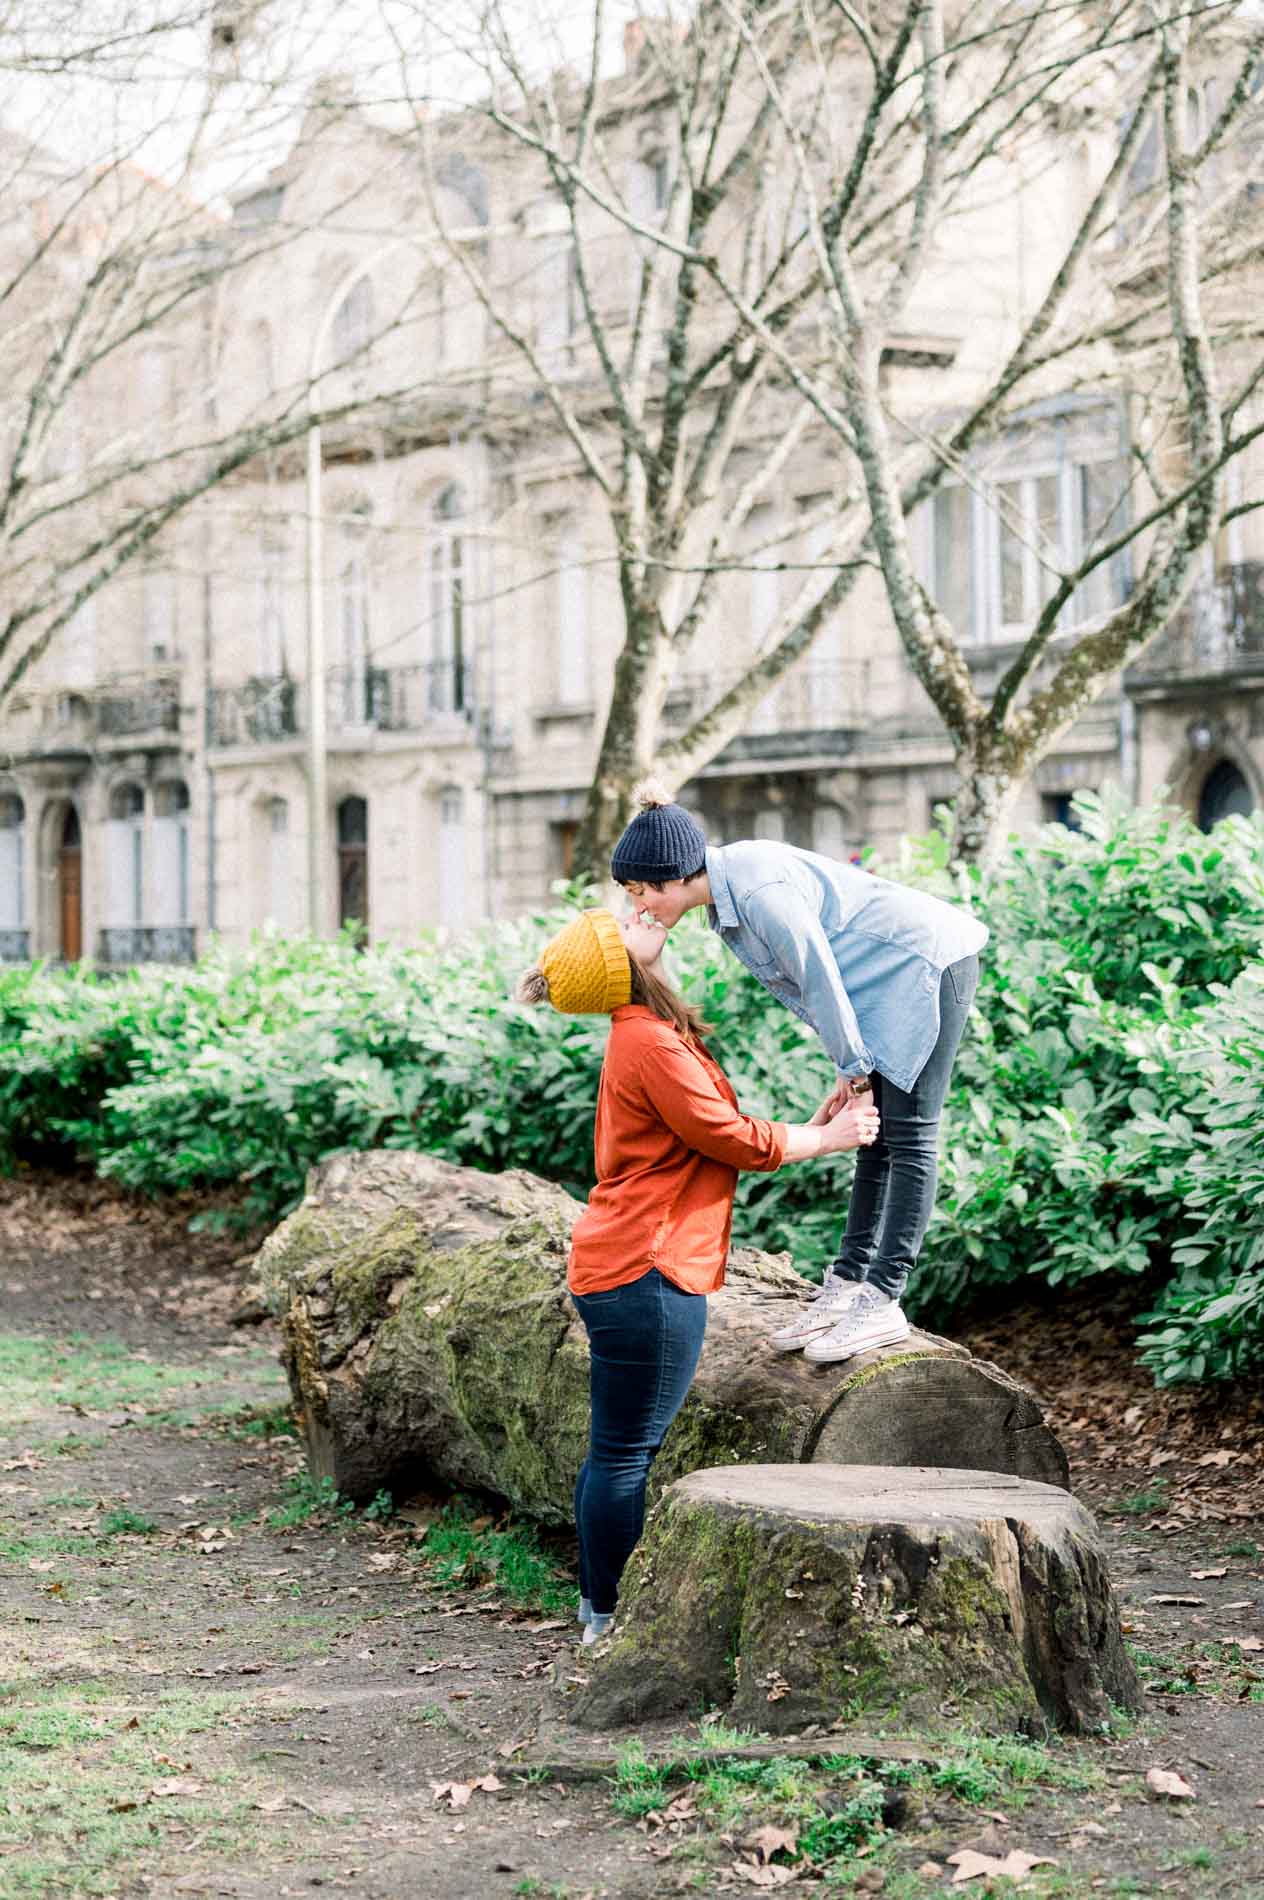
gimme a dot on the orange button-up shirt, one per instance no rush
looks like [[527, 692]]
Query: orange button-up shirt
[[670, 1142]]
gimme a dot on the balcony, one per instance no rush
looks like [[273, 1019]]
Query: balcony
[[124, 945], [135, 708], [150, 703], [1216, 638], [808, 710], [15, 946], [373, 699]]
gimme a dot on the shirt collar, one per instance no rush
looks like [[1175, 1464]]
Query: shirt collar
[[721, 912]]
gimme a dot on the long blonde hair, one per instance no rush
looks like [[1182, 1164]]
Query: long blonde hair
[[656, 993]]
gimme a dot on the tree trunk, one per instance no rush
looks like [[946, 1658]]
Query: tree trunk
[[629, 742], [429, 1336], [991, 785], [839, 1593]]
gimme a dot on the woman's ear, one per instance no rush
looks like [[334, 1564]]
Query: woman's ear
[[532, 986]]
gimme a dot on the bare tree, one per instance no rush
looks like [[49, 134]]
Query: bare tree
[[818, 168], [127, 394]]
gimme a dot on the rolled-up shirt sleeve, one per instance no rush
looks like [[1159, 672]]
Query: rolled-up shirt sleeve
[[683, 1092], [799, 946]]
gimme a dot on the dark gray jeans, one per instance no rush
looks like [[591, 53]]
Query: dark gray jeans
[[893, 1192]]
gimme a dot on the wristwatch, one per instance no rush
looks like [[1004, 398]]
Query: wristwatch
[[861, 1084]]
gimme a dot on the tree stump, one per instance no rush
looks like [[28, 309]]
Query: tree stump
[[829, 1593], [429, 1336]]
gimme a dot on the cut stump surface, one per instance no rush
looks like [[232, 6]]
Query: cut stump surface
[[829, 1593]]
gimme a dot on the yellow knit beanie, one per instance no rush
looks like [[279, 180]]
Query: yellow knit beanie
[[584, 971]]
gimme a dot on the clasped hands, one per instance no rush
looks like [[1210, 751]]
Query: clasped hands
[[852, 1120]]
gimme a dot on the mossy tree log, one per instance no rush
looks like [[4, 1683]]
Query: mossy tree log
[[790, 1594], [429, 1334]]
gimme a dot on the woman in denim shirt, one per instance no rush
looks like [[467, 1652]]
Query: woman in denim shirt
[[885, 976]]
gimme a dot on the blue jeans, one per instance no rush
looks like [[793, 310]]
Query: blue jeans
[[893, 1191], [645, 1339]]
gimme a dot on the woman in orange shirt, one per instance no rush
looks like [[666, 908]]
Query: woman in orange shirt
[[653, 1240]]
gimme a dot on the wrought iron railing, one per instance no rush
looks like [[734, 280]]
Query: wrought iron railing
[[815, 696], [258, 712], [122, 944], [383, 698], [149, 704], [1219, 631], [15, 946]]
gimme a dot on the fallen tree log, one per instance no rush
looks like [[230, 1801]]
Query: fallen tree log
[[791, 1594], [429, 1335]]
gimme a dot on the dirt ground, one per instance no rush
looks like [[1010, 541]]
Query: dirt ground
[[214, 1682]]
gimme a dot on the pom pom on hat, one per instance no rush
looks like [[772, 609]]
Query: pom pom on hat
[[661, 843]]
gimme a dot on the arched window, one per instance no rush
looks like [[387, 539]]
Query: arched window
[[264, 358], [70, 888], [271, 606], [125, 858], [1225, 794], [353, 861], [351, 696], [573, 681], [158, 614], [280, 892], [353, 320], [14, 945], [446, 605], [170, 898], [452, 857]]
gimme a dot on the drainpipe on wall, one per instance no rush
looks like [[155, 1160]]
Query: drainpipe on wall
[[1129, 758], [208, 633]]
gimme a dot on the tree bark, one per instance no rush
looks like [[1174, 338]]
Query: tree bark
[[430, 1337], [835, 1593]]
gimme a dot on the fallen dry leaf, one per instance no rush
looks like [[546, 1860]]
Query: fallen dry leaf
[[506, 1749], [1201, 1576], [1016, 1865], [1192, 1603], [271, 1804], [1218, 1458], [1167, 1781], [1246, 1642], [767, 1841], [763, 1874], [457, 1793], [929, 1870], [175, 1784], [554, 1623]]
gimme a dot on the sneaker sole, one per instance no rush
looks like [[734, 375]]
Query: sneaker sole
[[797, 1345], [886, 1336]]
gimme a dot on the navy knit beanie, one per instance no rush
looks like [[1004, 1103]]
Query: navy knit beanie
[[661, 843]]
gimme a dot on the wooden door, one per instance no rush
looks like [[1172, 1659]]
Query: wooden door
[[70, 885]]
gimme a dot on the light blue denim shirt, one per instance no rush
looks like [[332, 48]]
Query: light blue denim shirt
[[857, 957]]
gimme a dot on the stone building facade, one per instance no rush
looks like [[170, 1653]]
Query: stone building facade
[[153, 779]]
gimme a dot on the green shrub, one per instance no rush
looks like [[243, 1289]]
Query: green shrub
[[1101, 1119]]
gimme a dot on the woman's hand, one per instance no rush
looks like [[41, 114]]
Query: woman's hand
[[842, 1092], [854, 1126]]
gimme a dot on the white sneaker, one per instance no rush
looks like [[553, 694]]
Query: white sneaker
[[871, 1319], [599, 1626], [833, 1300]]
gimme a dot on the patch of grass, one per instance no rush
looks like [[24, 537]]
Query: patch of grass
[[640, 1785], [76, 1817], [309, 1498], [460, 1552], [1245, 1548], [262, 1421], [380, 1506], [15, 1549], [40, 1375], [1139, 1503], [121, 1522]]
